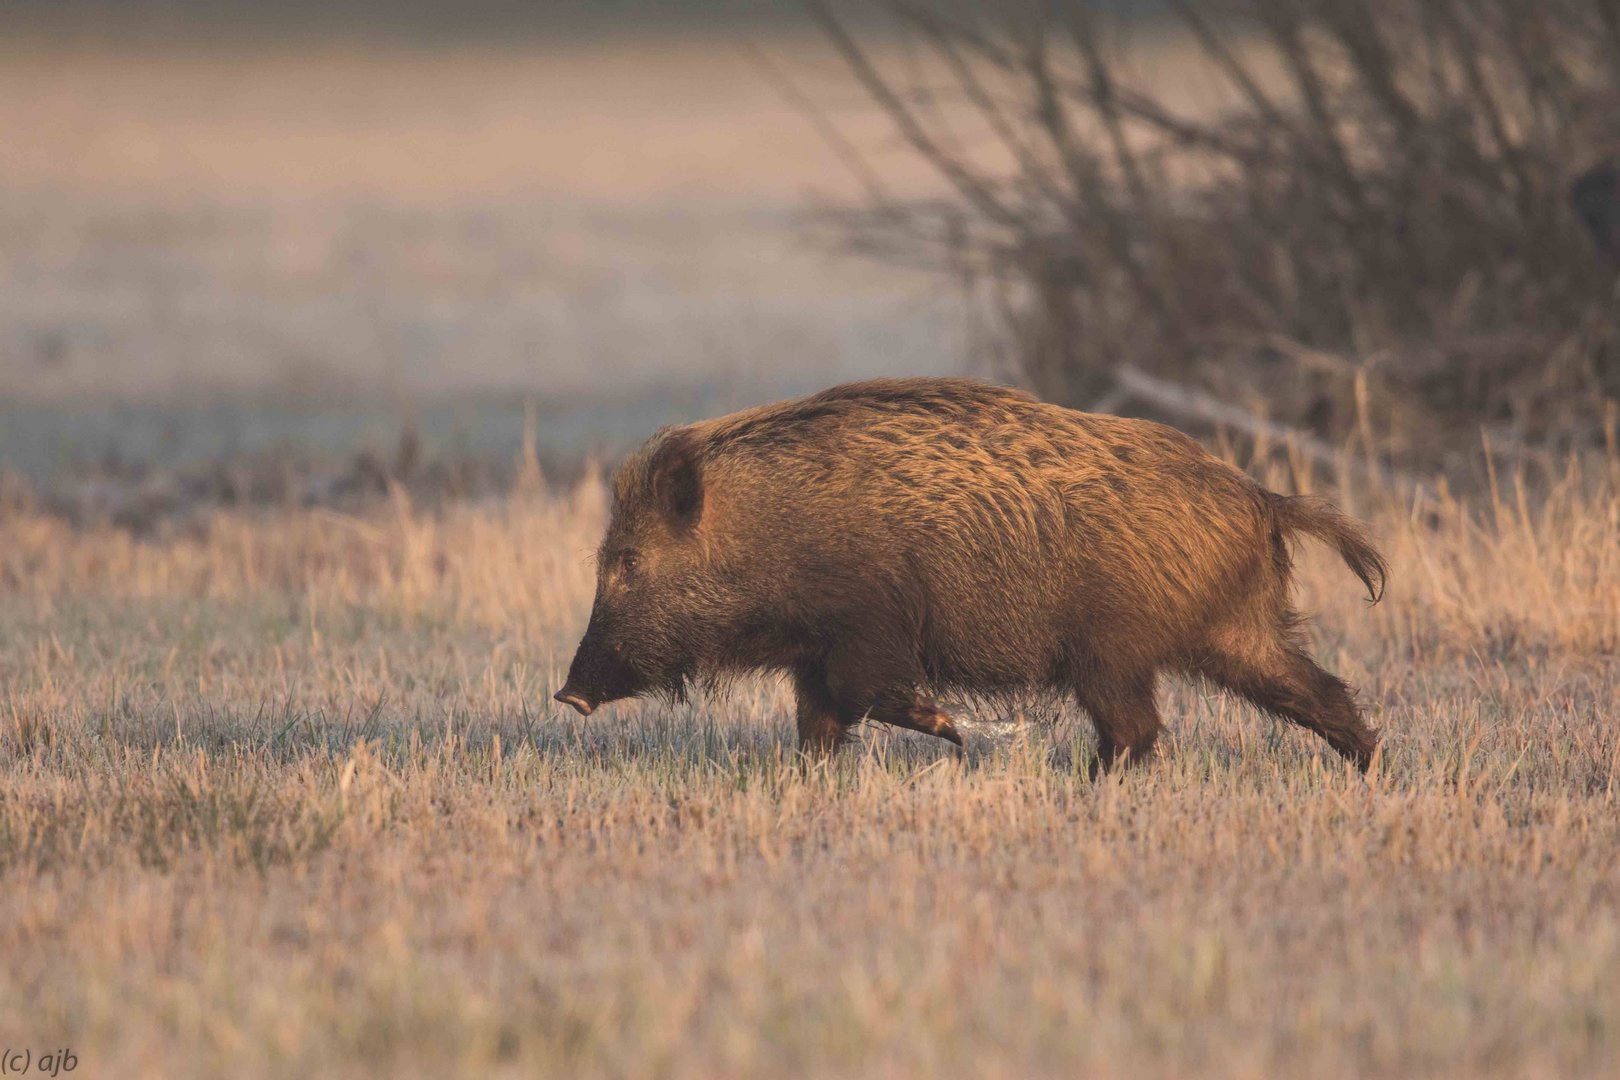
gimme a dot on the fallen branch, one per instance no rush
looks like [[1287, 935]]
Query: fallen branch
[[1185, 401]]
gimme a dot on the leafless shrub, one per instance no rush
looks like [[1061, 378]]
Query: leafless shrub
[[1374, 240]]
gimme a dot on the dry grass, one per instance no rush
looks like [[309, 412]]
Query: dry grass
[[288, 795]]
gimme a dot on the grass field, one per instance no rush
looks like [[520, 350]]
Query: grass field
[[286, 794]]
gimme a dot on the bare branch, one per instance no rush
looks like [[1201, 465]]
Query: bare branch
[[1191, 404], [962, 68], [1215, 47], [1083, 32], [848, 156], [971, 186], [1282, 22]]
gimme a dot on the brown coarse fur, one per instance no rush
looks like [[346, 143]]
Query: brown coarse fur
[[888, 540]]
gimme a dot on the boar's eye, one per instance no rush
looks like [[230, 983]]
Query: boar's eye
[[629, 562]]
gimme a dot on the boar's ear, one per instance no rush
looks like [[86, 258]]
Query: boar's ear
[[677, 480]]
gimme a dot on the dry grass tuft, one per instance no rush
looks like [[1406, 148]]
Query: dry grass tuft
[[287, 794]]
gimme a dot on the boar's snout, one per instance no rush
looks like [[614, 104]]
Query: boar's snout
[[575, 700], [599, 673]]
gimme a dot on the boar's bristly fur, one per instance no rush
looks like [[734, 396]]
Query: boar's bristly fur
[[888, 540]]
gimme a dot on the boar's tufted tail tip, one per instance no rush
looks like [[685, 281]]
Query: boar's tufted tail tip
[[1318, 518], [579, 704]]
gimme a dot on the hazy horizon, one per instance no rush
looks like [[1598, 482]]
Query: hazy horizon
[[210, 251]]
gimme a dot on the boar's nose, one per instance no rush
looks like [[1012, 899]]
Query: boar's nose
[[575, 699]]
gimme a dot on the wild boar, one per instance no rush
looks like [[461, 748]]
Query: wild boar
[[885, 541]]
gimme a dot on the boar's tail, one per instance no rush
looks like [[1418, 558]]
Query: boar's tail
[[1321, 519]]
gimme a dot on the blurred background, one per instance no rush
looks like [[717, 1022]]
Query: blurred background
[[271, 251], [250, 237]]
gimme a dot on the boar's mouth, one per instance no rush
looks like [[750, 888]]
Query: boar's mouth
[[599, 675]]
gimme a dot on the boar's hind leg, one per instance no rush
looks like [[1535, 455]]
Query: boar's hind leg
[[1126, 718], [822, 729], [1285, 682]]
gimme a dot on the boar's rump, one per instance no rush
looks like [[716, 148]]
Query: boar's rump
[[887, 540]]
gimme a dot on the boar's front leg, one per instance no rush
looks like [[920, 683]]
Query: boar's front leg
[[822, 729], [859, 681], [918, 714]]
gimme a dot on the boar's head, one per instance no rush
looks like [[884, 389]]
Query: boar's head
[[654, 606]]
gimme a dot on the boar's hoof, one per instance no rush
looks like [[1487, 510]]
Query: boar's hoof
[[944, 729], [924, 716]]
